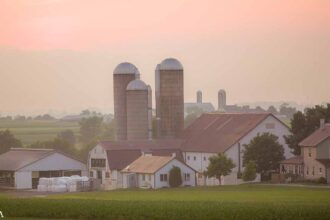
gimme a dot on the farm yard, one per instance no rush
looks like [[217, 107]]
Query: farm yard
[[220, 202], [31, 131]]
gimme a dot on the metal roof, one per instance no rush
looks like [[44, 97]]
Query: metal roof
[[17, 158], [217, 132], [170, 64], [126, 68], [137, 85], [316, 137], [147, 164]]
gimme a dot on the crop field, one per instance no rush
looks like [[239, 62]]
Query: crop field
[[223, 202], [30, 131]]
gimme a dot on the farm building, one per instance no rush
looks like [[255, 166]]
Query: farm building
[[21, 168], [153, 172], [227, 133], [108, 158]]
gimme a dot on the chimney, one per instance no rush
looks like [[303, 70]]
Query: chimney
[[322, 123]]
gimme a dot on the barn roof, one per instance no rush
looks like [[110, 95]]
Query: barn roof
[[316, 137], [147, 164], [217, 132], [17, 158]]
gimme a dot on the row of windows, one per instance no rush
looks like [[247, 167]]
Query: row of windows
[[313, 171], [107, 174], [98, 162], [188, 158]]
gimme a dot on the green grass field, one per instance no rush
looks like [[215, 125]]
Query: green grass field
[[225, 202], [30, 131]]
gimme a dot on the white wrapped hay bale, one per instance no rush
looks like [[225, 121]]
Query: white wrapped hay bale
[[42, 188], [59, 188], [43, 181]]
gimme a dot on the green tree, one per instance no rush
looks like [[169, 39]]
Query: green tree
[[8, 140], [68, 136], [265, 151], [250, 172], [175, 178], [220, 165], [303, 124], [90, 129], [108, 132], [56, 144]]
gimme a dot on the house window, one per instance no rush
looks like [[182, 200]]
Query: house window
[[91, 174], [149, 177], [188, 157], [320, 170], [98, 162], [204, 158], [163, 177], [187, 176], [194, 157], [107, 174], [310, 152], [307, 171], [313, 171], [143, 177]]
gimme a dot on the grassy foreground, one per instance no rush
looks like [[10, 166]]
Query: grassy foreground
[[229, 202]]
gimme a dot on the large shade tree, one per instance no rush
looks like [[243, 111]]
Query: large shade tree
[[8, 140], [220, 165], [265, 151], [303, 124]]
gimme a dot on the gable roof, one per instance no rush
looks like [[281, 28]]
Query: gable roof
[[316, 137], [217, 132], [119, 159], [147, 164], [17, 158]]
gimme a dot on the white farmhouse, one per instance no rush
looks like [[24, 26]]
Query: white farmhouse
[[153, 172], [227, 133], [108, 158], [21, 168]]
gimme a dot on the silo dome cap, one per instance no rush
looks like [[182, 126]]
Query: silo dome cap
[[137, 85], [126, 68], [170, 64]]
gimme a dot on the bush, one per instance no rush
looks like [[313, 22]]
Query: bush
[[322, 180], [175, 178], [250, 173]]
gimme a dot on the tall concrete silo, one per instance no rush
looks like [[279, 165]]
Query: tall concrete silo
[[222, 100], [122, 75], [137, 96], [199, 97], [169, 98]]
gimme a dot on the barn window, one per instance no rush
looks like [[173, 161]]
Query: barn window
[[107, 175], [91, 174], [163, 177], [188, 157], [194, 157], [320, 170], [98, 162], [313, 171], [187, 176], [310, 152], [204, 158]]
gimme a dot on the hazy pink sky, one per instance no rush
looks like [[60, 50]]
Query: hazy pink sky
[[260, 46]]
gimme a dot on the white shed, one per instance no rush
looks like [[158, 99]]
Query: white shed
[[153, 172], [21, 168]]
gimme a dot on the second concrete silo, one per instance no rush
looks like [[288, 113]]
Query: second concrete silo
[[169, 98], [137, 96], [122, 75], [222, 100]]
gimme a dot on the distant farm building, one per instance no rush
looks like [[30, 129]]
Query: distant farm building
[[21, 168]]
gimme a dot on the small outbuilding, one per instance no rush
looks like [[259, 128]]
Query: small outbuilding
[[21, 168], [153, 172]]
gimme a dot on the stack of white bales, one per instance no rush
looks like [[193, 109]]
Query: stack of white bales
[[60, 184]]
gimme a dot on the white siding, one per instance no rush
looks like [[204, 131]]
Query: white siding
[[200, 165], [23, 179], [166, 169], [55, 161]]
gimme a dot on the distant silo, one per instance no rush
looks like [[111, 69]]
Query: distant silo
[[222, 100], [122, 75], [169, 98], [149, 112], [137, 110], [199, 97]]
